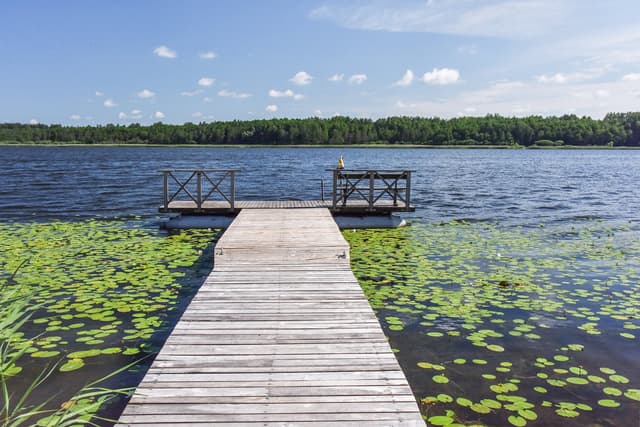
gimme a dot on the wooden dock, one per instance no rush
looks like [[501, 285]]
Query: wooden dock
[[280, 334], [353, 192]]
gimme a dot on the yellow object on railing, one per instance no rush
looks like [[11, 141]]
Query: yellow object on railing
[[340, 163]]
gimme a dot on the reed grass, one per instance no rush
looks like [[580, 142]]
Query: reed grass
[[17, 409]]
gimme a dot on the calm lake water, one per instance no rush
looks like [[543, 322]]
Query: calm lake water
[[513, 186], [513, 298]]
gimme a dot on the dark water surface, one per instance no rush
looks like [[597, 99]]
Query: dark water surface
[[512, 186], [513, 256]]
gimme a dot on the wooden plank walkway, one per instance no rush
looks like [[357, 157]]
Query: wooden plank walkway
[[280, 334]]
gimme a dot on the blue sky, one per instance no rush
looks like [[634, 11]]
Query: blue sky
[[90, 62]]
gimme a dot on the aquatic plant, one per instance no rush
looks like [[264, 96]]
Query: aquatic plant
[[533, 309], [90, 290]]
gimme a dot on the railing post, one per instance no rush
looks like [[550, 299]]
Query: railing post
[[322, 189], [372, 180], [199, 189], [166, 189], [408, 191], [232, 189], [335, 188], [395, 192]]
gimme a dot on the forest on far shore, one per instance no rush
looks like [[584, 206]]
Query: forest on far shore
[[615, 129]]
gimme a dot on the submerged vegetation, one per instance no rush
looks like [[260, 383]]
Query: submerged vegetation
[[505, 326], [616, 129], [84, 300]]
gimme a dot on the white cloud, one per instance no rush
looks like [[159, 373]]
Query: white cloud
[[301, 78], [492, 18], [206, 81], [632, 77], [34, 122], [336, 78], [75, 117], [109, 103], [558, 78], [271, 108], [158, 115], [165, 52], [442, 76], [317, 113], [231, 94], [191, 93], [146, 94], [207, 99], [98, 93], [208, 55], [133, 115], [406, 79], [285, 94], [197, 114], [519, 98], [358, 79]]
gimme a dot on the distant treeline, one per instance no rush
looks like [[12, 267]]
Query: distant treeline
[[617, 129]]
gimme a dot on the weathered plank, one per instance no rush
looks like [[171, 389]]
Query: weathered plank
[[280, 334]]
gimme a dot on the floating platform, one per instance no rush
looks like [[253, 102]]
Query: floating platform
[[280, 334], [355, 207]]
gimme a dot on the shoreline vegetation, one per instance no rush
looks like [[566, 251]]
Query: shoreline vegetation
[[492, 131]]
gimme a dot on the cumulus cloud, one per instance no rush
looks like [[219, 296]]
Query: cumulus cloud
[[191, 93], [336, 78], [358, 79], [33, 122], [98, 93], [208, 55], [165, 52], [133, 115], [271, 108], [285, 94], [109, 103], [75, 117], [158, 115], [231, 94], [301, 78], [146, 94], [406, 79], [632, 77], [441, 76], [206, 81]]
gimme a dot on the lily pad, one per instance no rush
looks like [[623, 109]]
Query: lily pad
[[633, 394], [72, 365], [517, 420], [440, 420], [608, 403], [440, 379]]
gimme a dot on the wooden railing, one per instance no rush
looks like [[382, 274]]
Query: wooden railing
[[199, 185], [357, 186]]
